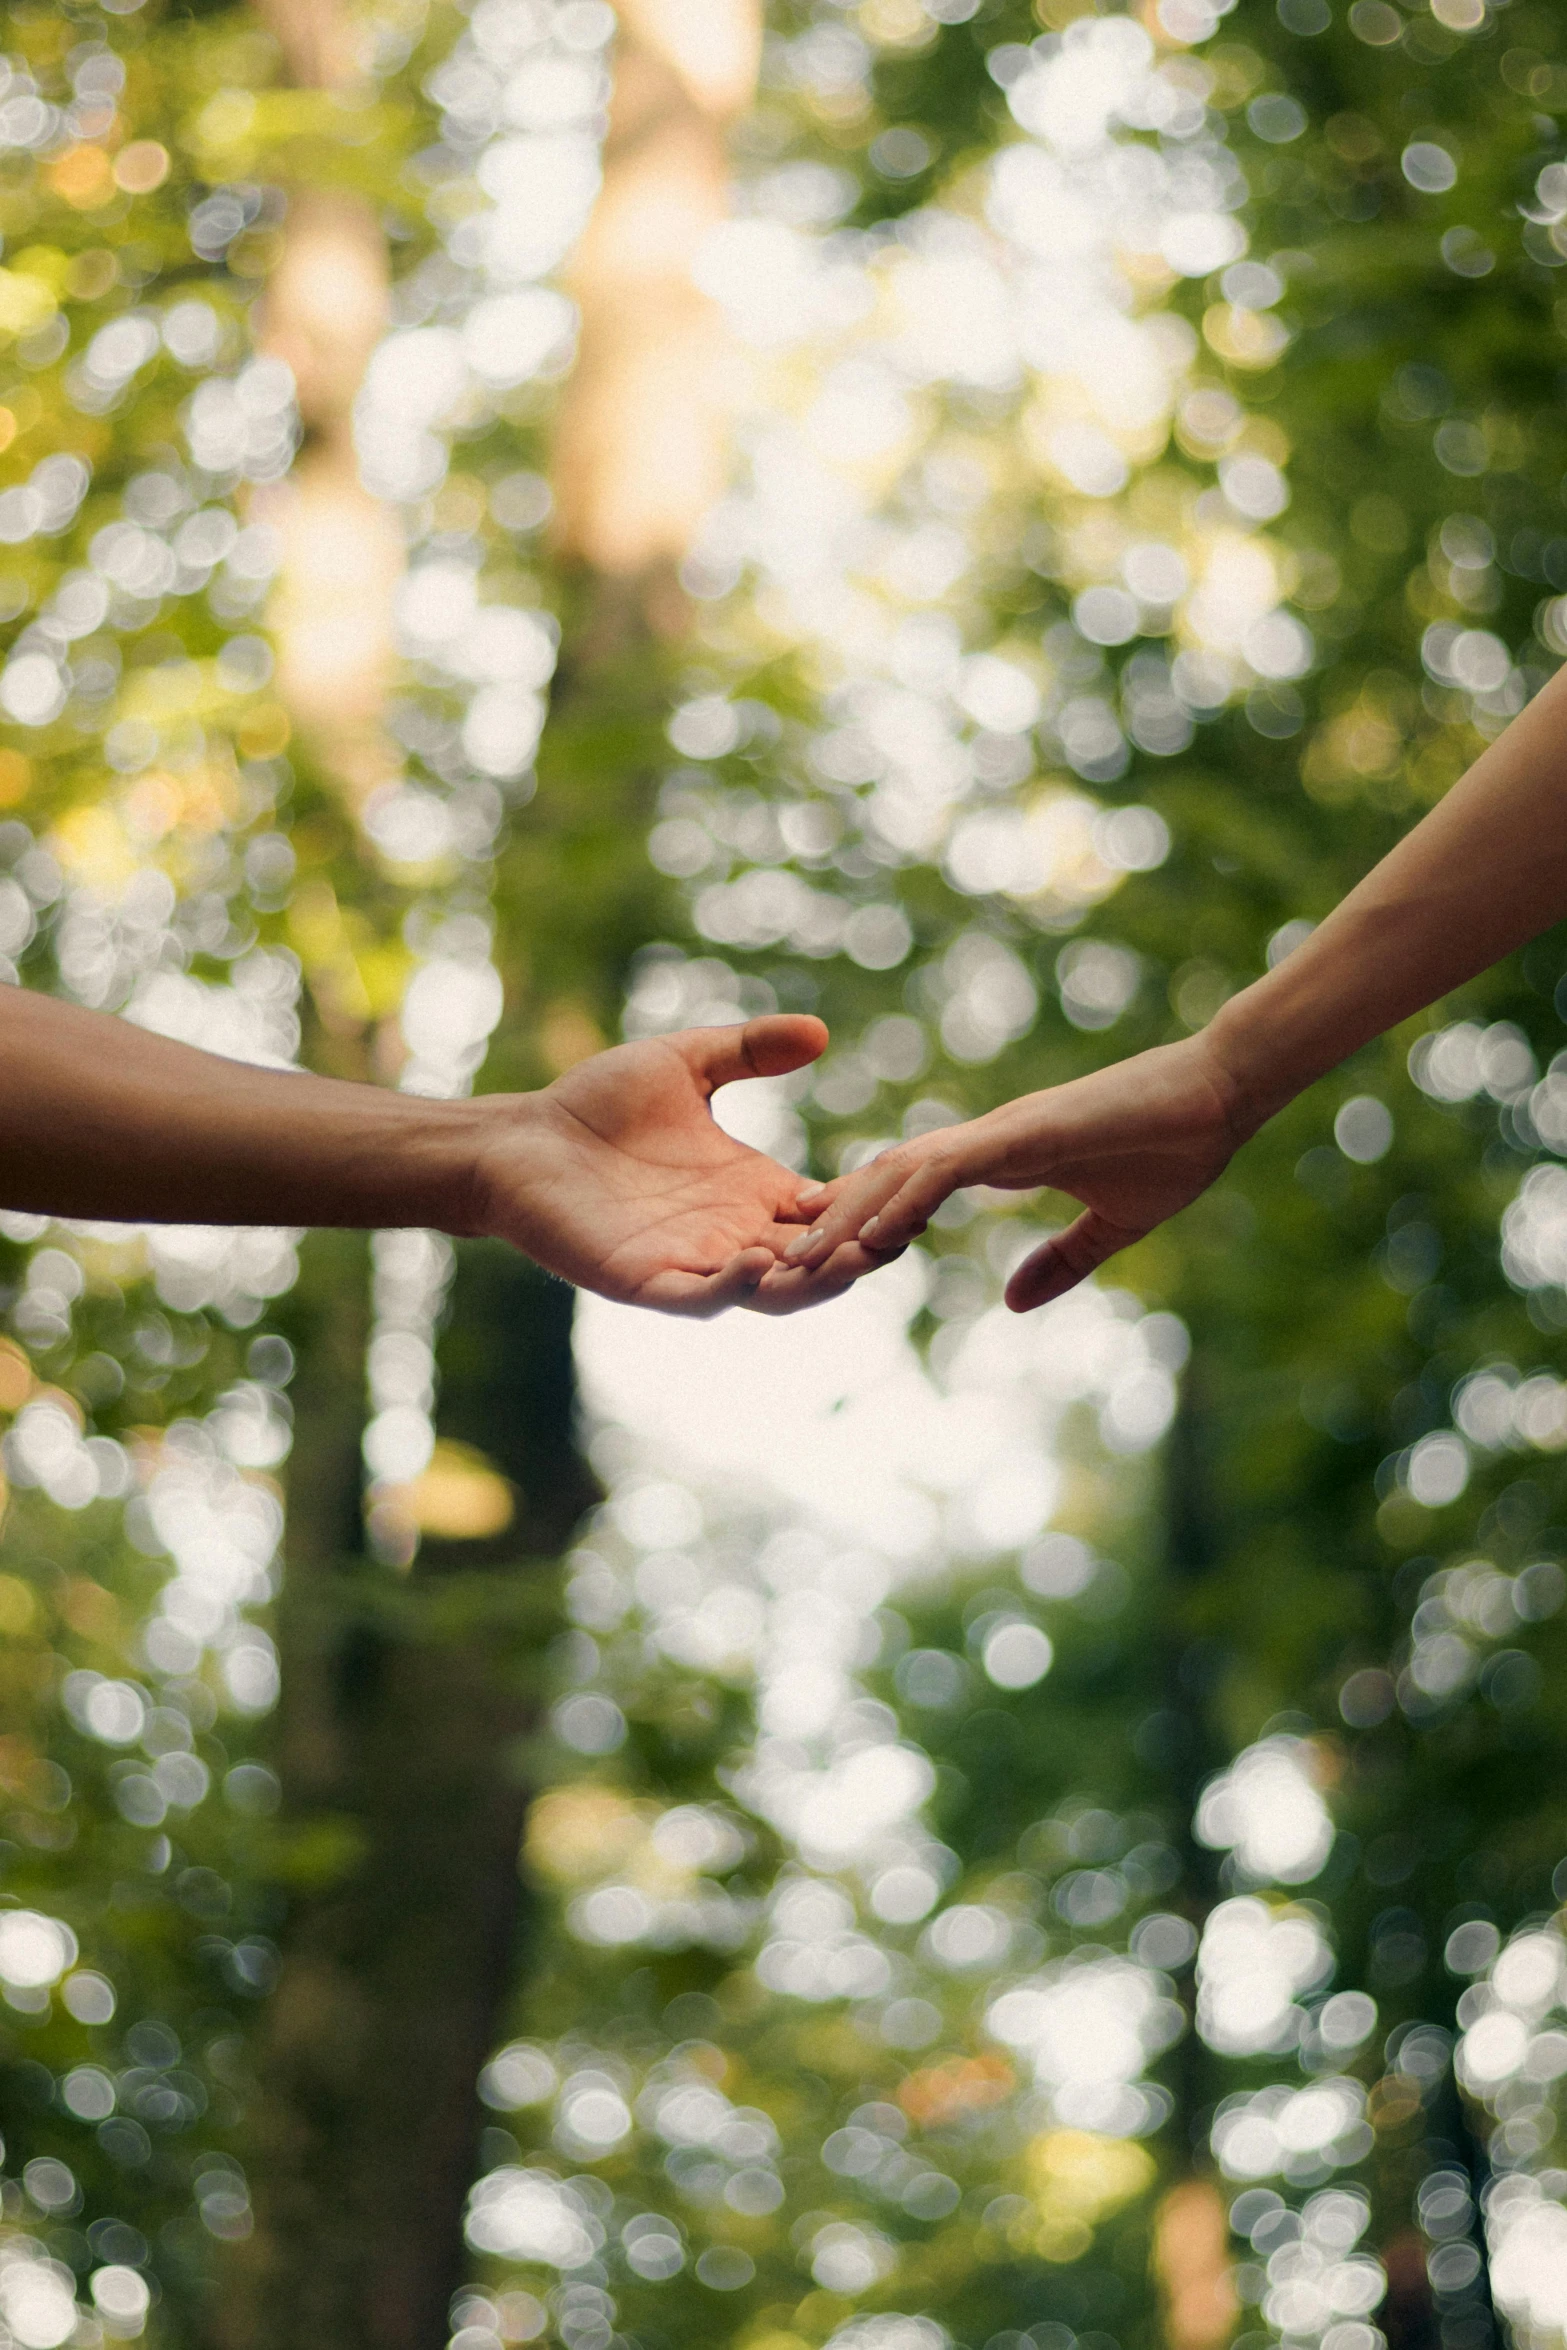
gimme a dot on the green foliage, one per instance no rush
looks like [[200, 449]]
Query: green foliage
[[1336, 1305], [1265, 1582]]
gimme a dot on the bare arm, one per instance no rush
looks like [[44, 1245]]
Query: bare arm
[[615, 1177], [1486, 870], [99, 1118]]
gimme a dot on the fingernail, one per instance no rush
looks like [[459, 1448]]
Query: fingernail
[[801, 1242], [870, 1230], [809, 1192]]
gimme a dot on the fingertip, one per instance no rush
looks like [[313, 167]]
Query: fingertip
[[1022, 1297], [1031, 1284], [779, 1041]]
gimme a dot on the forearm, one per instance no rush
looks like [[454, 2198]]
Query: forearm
[[1485, 871], [100, 1119]]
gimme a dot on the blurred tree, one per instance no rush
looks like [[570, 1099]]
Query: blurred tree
[[1349, 394], [149, 1414], [1144, 509], [641, 448], [395, 1745]]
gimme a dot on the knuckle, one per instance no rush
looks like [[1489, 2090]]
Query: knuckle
[[897, 1163]]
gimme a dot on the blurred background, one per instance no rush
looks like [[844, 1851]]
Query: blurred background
[[534, 522]]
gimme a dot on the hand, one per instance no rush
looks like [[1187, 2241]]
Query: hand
[[617, 1177], [1134, 1143]]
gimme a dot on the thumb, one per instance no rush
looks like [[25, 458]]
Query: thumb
[[766, 1047], [1066, 1259]]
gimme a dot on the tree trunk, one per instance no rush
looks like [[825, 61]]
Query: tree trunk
[[1183, 1746], [405, 1702], [406, 1698]]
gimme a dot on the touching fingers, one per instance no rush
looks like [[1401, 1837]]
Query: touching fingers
[[886, 1205], [699, 1296], [813, 1199], [846, 1206], [1066, 1259], [911, 1208], [788, 1289], [810, 1203]]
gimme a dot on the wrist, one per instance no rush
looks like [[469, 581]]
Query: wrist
[[492, 1166], [1246, 1058], [413, 1161]]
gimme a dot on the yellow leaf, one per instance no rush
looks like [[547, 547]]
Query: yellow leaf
[[91, 845], [263, 731], [83, 176], [47, 264], [576, 1833], [226, 118], [460, 1497], [18, 1607], [384, 970], [315, 922], [26, 303], [16, 1376], [1246, 338], [568, 1033], [1078, 2178]]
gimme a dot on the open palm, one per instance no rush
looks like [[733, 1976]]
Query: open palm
[[618, 1178]]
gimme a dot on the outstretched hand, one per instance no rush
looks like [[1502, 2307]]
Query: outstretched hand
[[618, 1178], [1133, 1143]]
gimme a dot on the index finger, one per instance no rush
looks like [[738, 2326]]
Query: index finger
[[789, 1289], [918, 1185]]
